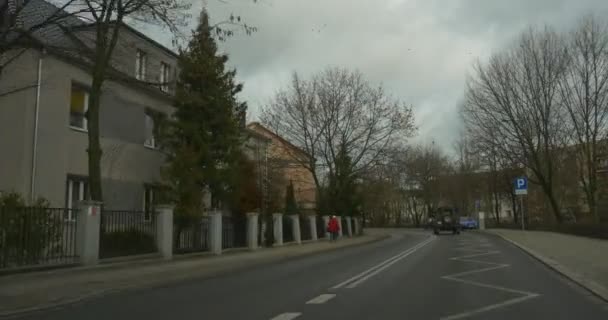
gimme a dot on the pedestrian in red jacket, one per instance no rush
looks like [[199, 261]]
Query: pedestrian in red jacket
[[333, 228]]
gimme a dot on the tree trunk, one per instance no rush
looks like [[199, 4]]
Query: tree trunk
[[94, 150], [555, 207], [496, 208]]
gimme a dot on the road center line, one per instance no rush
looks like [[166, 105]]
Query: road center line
[[396, 257], [321, 299], [287, 316], [375, 272]]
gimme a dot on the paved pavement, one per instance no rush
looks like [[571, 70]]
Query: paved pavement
[[580, 258], [412, 275]]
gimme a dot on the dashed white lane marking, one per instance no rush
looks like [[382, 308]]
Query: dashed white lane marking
[[287, 316], [321, 299], [474, 247], [363, 276]]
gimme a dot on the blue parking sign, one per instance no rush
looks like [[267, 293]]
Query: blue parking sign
[[521, 185]]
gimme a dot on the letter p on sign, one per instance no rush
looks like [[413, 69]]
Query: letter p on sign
[[521, 186]]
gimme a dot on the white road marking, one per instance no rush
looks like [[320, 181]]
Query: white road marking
[[287, 316], [321, 299], [488, 308], [358, 279], [473, 247]]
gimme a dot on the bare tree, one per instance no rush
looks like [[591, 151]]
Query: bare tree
[[344, 124], [426, 168], [512, 107], [584, 94]]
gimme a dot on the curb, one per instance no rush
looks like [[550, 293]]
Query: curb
[[592, 286], [10, 314]]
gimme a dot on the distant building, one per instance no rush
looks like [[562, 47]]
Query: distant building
[[287, 158]]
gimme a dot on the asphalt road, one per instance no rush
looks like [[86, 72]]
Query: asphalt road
[[413, 275]]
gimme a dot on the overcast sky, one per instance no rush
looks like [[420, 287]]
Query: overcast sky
[[421, 50]]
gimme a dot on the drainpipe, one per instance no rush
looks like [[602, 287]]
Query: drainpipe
[[35, 142]]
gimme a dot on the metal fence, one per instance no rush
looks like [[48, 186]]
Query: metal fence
[[192, 238], [266, 230], [305, 232], [321, 227], [287, 229], [35, 236], [234, 232], [124, 233]]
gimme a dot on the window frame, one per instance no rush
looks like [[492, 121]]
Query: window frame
[[85, 121], [141, 62], [150, 143], [148, 202], [165, 76], [83, 189]]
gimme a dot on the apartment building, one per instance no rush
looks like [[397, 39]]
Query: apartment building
[[43, 124]]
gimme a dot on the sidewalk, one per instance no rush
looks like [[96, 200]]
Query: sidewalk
[[35, 291], [581, 259]]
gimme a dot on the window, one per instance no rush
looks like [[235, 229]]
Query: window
[[149, 141], [79, 105], [77, 189], [149, 198], [164, 76], [141, 60]]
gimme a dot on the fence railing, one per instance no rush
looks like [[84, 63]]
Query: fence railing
[[305, 231], [192, 238], [234, 229], [124, 233], [36, 236], [287, 229], [321, 227], [265, 230]]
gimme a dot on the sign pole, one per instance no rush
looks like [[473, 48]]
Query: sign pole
[[521, 189], [521, 205]]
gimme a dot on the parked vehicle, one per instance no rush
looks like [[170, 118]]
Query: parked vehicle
[[446, 220], [468, 223]]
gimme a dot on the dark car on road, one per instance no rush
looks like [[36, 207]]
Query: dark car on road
[[446, 220]]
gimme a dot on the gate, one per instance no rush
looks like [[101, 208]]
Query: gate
[[125, 233], [192, 238]]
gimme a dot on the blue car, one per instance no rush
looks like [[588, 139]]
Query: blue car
[[468, 223]]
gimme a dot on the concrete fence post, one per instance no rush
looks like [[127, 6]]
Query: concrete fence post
[[312, 220], [215, 232], [325, 223], [349, 227], [357, 230], [263, 228], [482, 220], [277, 228], [340, 231], [295, 228], [87, 232], [164, 231], [252, 230]]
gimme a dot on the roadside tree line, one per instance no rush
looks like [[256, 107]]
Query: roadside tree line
[[540, 106], [347, 126]]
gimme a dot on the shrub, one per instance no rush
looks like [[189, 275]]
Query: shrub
[[125, 243], [28, 234]]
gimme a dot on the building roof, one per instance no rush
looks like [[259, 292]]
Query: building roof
[[255, 134], [36, 12], [256, 125]]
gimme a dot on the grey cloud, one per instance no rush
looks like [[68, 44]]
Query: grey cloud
[[421, 50]]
